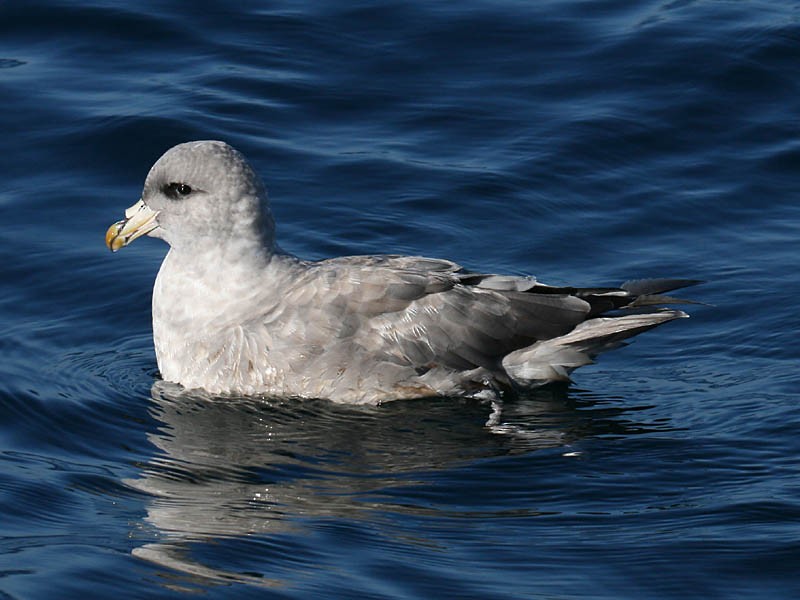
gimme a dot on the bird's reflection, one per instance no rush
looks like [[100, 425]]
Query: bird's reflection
[[233, 468]]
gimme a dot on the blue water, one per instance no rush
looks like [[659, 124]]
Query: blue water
[[585, 142]]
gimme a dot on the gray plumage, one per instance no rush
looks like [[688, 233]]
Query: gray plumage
[[232, 313]]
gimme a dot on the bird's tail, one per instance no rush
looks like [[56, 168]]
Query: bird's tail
[[634, 310]]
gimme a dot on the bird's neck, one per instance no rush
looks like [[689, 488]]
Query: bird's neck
[[210, 259], [208, 288]]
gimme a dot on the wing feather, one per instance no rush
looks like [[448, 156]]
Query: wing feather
[[406, 316]]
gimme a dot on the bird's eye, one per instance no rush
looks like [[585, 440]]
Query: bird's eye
[[176, 191]]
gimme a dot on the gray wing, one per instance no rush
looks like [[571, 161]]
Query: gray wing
[[423, 313], [469, 325]]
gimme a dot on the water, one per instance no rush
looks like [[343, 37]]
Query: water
[[583, 142]]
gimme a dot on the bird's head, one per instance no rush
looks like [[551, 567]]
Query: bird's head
[[197, 194]]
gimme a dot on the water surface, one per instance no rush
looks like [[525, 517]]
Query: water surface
[[582, 142]]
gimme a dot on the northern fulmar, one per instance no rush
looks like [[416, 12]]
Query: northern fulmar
[[234, 314]]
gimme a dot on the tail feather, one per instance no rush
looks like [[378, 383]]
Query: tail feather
[[554, 359], [648, 287], [633, 294], [657, 300]]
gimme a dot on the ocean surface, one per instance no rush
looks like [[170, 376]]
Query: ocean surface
[[586, 142]]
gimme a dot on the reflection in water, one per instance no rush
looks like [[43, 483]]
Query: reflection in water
[[236, 468]]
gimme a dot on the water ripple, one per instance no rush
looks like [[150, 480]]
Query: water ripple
[[586, 143]]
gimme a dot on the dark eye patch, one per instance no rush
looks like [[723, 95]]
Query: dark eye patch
[[176, 191]]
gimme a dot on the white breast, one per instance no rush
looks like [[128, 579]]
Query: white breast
[[198, 323]]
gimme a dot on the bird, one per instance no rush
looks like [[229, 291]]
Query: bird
[[234, 314]]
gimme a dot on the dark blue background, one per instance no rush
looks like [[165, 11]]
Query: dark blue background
[[584, 142]]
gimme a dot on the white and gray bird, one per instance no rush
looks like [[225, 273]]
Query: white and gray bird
[[234, 314]]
